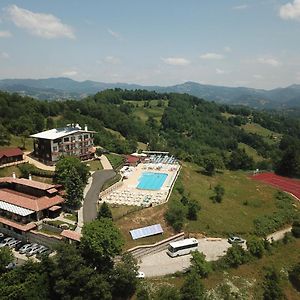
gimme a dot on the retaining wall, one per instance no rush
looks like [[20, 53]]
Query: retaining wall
[[44, 239], [143, 250]]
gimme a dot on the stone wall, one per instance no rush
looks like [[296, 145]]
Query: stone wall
[[143, 250]]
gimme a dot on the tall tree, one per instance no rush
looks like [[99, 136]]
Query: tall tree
[[199, 265], [192, 287], [272, 286], [101, 241], [124, 278], [74, 189], [6, 257]]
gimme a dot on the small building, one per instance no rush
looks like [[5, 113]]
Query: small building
[[24, 202], [50, 145], [131, 160], [10, 155]]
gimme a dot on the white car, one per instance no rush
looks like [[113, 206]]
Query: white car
[[140, 275], [33, 250], [25, 248], [6, 242]]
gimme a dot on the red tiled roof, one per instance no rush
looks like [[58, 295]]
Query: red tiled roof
[[27, 182], [23, 227], [132, 159], [9, 152], [72, 235], [37, 204]]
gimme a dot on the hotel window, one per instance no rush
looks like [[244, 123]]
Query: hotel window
[[66, 139], [55, 149]]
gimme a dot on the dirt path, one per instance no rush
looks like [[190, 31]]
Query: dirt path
[[278, 235]]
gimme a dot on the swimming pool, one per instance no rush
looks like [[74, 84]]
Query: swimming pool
[[151, 181]]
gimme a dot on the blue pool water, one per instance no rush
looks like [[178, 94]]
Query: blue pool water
[[151, 181]]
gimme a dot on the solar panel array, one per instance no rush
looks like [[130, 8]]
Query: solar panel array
[[146, 231]]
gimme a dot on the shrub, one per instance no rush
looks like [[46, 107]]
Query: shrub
[[175, 215], [236, 256], [255, 246], [296, 229]]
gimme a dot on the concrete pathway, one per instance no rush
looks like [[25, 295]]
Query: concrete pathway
[[38, 164], [89, 212], [105, 163], [279, 235]]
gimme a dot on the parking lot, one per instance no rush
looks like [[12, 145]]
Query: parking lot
[[159, 264], [22, 251]]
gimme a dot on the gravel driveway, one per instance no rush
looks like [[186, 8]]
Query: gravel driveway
[[160, 264]]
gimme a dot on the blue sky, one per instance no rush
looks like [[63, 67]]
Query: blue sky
[[223, 42]]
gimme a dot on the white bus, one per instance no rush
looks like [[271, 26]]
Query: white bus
[[182, 247]]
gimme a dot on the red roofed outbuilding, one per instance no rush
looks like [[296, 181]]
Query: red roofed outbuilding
[[131, 160], [10, 155]]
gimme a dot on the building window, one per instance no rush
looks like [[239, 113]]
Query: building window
[[55, 149], [66, 139], [86, 136]]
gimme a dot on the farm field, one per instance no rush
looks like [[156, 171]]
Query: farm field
[[269, 136]]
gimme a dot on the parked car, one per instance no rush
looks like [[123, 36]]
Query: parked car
[[11, 266], [19, 246], [235, 240], [140, 275], [43, 252], [13, 243], [6, 242], [25, 248], [42, 249], [33, 250]]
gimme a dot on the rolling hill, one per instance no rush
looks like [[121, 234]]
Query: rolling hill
[[66, 88]]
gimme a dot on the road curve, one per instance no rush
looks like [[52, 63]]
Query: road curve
[[92, 196]]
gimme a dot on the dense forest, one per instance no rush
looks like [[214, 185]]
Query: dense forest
[[190, 128]]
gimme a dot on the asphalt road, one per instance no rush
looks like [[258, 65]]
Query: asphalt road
[[160, 264], [92, 196]]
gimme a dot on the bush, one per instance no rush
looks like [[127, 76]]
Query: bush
[[236, 256], [27, 169], [296, 229], [294, 277], [175, 215], [255, 246]]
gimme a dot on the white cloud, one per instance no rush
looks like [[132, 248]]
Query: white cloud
[[112, 60], [176, 61], [4, 55], [290, 11], [269, 61], [115, 34], [211, 56], [219, 71], [258, 76], [227, 49], [69, 73], [240, 7], [39, 24], [5, 34]]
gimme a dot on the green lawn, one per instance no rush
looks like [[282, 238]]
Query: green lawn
[[251, 152], [270, 136], [8, 171], [244, 200], [115, 133], [115, 160], [94, 165], [17, 141]]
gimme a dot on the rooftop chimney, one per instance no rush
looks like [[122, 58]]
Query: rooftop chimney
[[30, 177], [85, 127], [14, 175]]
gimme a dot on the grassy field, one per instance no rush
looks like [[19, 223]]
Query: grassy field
[[94, 165], [115, 133], [251, 152], [244, 200], [141, 218], [270, 136], [17, 141], [8, 171], [152, 111], [115, 160]]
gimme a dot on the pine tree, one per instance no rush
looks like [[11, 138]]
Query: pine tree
[[104, 211], [74, 189]]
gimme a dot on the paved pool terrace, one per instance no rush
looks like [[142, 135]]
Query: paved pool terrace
[[147, 184]]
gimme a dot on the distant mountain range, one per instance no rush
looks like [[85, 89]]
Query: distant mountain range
[[66, 88]]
